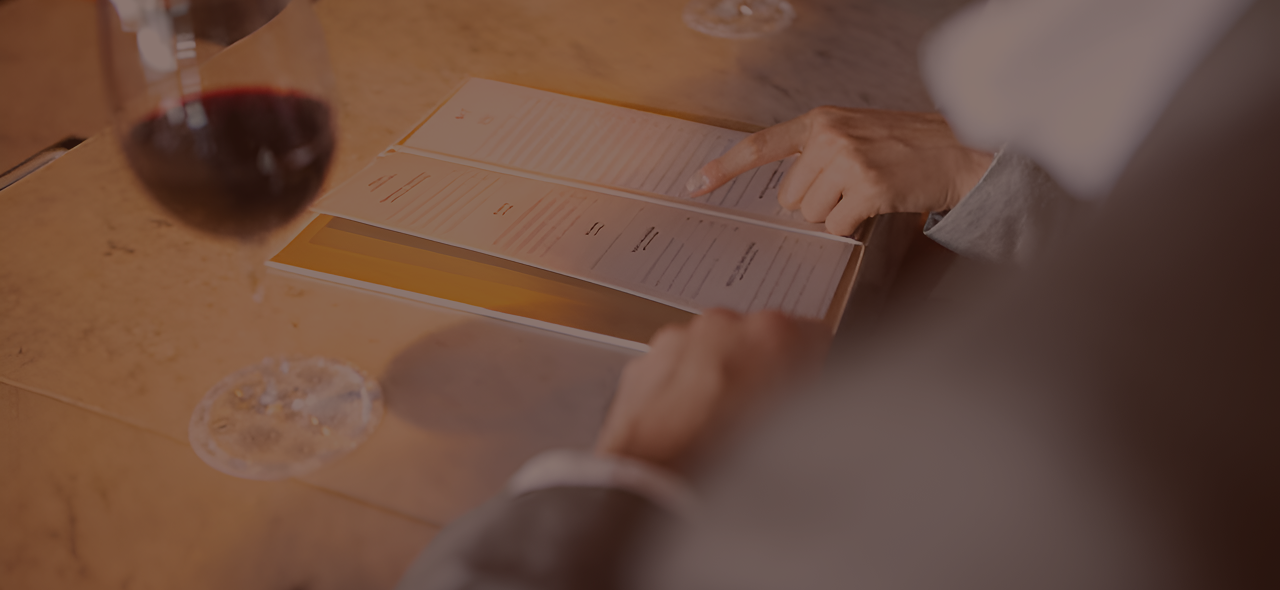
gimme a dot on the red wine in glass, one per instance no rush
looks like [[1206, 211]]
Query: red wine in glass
[[237, 162], [223, 113]]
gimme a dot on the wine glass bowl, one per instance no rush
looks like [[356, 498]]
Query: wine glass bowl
[[238, 162], [222, 107], [223, 114]]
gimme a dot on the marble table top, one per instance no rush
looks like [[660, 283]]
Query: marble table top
[[114, 320]]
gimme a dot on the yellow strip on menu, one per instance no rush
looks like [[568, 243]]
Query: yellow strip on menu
[[344, 248]]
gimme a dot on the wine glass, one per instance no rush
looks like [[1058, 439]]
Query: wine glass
[[222, 110], [738, 19]]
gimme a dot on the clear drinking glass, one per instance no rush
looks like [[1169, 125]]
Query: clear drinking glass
[[222, 110], [738, 19]]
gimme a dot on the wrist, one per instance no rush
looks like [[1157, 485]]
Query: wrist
[[973, 166]]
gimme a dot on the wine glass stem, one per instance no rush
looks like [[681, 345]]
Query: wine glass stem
[[253, 256]]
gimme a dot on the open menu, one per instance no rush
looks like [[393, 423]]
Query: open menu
[[543, 184]]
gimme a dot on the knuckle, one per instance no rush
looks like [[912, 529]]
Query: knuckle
[[837, 141], [825, 119], [825, 112]]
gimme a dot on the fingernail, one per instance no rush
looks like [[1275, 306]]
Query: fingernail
[[697, 183]]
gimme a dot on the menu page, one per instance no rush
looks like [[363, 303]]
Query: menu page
[[681, 257], [566, 137]]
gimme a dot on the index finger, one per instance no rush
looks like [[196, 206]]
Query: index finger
[[768, 145]]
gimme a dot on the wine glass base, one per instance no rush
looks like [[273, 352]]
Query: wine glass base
[[738, 19], [283, 417]]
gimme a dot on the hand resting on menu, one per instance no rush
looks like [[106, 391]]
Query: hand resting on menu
[[697, 375]]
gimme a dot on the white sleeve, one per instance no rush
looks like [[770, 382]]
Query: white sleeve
[[576, 468]]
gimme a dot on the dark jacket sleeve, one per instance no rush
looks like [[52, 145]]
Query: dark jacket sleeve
[[565, 538], [1007, 216]]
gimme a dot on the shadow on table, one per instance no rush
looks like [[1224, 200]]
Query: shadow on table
[[488, 377]]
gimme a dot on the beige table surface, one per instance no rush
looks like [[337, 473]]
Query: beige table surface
[[114, 320]]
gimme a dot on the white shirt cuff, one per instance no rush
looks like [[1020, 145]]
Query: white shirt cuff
[[575, 468], [936, 217]]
